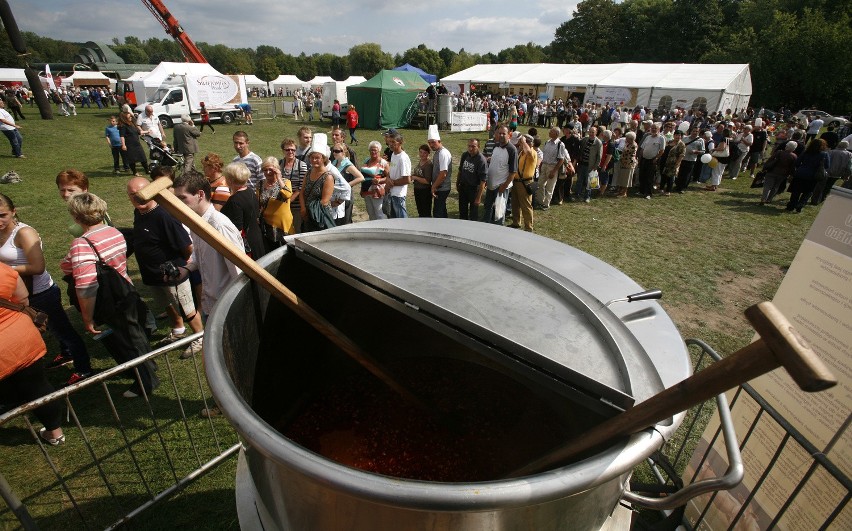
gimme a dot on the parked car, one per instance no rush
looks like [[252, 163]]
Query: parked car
[[836, 121]]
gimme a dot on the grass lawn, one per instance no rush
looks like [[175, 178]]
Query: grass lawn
[[712, 254]]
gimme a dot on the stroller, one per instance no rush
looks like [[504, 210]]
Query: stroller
[[161, 154]]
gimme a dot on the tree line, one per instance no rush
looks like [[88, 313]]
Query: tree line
[[795, 49]]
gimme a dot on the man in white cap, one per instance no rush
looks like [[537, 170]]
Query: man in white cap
[[442, 172]]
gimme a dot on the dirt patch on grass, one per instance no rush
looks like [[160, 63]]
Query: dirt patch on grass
[[735, 292]]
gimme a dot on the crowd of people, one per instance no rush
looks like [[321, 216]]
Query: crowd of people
[[588, 152]]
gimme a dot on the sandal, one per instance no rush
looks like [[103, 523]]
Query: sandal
[[53, 442], [710, 188]]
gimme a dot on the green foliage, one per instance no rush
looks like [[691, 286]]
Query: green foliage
[[587, 36], [131, 53], [368, 58], [425, 59], [267, 69], [522, 53]]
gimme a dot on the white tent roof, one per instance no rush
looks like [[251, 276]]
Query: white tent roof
[[137, 76], [637, 75], [82, 76], [288, 80], [254, 81], [354, 80], [13, 74], [319, 80]]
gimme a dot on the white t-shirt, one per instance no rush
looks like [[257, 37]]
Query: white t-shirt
[[150, 126], [6, 117], [400, 166], [216, 271]]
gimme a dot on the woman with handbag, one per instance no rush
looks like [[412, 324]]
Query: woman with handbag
[[242, 208], [810, 167], [353, 176], [626, 164], [317, 189], [20, 248], [102, 244], [22, 376], [374, 171], [721, 153], [274, 193]]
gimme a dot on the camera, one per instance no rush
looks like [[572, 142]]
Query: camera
[[170, 271]]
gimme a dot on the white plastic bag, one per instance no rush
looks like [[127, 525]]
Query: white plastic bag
[[500, 206]]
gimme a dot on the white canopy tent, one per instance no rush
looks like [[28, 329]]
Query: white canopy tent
[[319, 80], [711, 86], [288, 82], [83, 78], [13, 76], [354, 80], [254, 81]]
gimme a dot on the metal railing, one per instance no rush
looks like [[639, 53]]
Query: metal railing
[[762, 415], [121, 456]]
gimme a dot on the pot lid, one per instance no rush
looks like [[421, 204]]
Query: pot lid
[[512, 305]]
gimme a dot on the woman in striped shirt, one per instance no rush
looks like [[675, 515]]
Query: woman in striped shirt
[[127, 339]]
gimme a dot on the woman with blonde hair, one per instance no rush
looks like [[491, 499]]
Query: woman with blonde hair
[[317, 189], [242, 208], [374, 171], [212, 165], [274, 193], [340, 160]]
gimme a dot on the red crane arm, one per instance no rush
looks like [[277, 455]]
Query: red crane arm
[[190, 51]]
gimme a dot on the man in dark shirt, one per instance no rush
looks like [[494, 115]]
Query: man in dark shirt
[[159, 238], [470, 182]]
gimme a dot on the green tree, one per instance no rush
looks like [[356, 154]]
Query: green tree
[[131, 53], [267, 70], [367, 59], [447, 56], [522, 53], [462, 61], [425, 59], [587, 37]]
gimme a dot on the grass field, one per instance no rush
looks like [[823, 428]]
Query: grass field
[[712, 254]]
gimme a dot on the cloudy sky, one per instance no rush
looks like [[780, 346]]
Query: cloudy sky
[[318, 26]]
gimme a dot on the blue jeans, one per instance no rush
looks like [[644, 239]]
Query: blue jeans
[[397, 207], [581, 187], [16, 140], [488, 207], [50, 302], [439, 204]]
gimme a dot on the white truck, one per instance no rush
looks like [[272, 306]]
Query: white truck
[[335, 90], [183, 94]]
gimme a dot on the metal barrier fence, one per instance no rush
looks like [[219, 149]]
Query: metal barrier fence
[[121, 456], [260, 110], [817, 464]]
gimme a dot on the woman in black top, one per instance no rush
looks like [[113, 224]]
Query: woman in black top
[[242, 208]]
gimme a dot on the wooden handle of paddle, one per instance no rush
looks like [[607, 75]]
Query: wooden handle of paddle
[[779, 346], [159, 191]]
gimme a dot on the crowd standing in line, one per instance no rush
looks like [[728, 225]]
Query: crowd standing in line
[[591, 151]]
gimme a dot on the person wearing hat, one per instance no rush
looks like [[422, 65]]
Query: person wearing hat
[[317, 188], [442, 172], [185, 140]]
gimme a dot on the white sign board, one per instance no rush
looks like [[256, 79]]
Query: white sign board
[[214, 90], [468, 121]]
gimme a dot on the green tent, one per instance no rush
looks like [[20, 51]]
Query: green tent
[[387, 99]]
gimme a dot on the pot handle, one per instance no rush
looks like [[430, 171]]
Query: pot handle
[[732, 477], [641, 296]]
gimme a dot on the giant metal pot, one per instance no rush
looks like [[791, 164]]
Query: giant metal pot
[[460, 282]]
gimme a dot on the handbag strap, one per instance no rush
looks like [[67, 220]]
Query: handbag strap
[[6, 303], [101, 260]]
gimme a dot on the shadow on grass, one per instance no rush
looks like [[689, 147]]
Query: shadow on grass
[[217, 506]]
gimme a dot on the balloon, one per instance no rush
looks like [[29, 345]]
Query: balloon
[[758, 122], [684, 126], [705, 158], [713, 162]]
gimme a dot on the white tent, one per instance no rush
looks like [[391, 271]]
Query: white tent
[[354, 80], [83, 78], [288, 82], [13, 76], [712, 86], [254, 81], [319, 80]]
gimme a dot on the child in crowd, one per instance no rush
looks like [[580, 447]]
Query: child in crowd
[[114, 140]]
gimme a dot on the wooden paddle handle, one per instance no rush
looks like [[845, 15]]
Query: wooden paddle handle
[[159, 191], [783, 348]]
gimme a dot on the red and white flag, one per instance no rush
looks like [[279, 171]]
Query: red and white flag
[[49, 76]]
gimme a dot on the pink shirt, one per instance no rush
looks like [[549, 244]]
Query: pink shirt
[[80, 260]]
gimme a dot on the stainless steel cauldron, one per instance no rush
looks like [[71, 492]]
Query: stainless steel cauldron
[[460, 281]]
